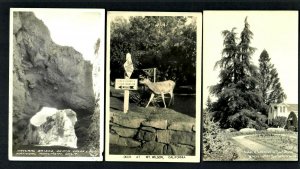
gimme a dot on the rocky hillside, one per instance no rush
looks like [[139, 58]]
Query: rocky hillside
[[47, 75]]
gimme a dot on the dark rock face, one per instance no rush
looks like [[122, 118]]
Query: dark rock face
[[47, 75]]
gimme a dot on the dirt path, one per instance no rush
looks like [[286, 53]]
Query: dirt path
[[249, 150]]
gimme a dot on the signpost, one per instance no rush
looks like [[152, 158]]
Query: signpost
[[127, 83], [128, 66]]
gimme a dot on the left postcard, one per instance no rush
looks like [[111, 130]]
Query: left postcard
[[56, 84]]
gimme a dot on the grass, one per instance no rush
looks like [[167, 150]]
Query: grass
[[279, 141]]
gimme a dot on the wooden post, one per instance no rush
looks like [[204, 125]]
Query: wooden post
[[128, 66], [126, 99], [154, 72]]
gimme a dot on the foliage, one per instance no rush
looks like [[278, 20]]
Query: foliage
[[279, 121], [141, 97], [97, 46], [270, 86], [208, 104], [238, 85], [248, 119], [216, 145], [93, 131], [165, 42], [292, 122]]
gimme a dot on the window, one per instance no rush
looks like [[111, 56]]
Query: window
[[283, 109], [280, 109]]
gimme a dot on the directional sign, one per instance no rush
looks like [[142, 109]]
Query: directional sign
[[128, 66], [126, 84]]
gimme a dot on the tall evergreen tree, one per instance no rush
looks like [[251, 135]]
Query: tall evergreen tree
[[270, 86], [208, 104], [238, 86]]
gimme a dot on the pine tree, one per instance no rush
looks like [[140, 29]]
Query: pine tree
[[208, 104], [97, 46], [238, 87], [270, 86]]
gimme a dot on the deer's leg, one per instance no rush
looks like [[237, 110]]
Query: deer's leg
[[151, 98], [171, 99], [163, 98]]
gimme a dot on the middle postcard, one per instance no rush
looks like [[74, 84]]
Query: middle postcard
[[153, 86]]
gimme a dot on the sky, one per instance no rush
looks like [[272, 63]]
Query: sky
[[275, 31], [77, 28], [41, 116]]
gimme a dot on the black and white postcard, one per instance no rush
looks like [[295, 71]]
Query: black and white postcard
[[153, 86], [56, 84], [250, 86]]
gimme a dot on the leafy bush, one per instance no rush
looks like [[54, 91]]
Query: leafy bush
[[165, 42], [93, 131], [142, 96], [247, 119], [216, 145], [292, 122], [279, 121]]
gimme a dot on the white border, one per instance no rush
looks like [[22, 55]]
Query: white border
[[167, 158], [102, 60]]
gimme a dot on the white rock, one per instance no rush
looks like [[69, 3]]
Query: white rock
[[275, 129], [229, 130], [56, 128], [247, 130], [41, 116]]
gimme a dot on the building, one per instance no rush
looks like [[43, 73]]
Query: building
[[281, 109]]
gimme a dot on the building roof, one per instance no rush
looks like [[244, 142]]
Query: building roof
[[290, 107], [293, 107]]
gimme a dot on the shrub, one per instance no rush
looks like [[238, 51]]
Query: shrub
[[279, 121], [247, 119], [216, 145], [292, 122], [93, 131], [142, 96]]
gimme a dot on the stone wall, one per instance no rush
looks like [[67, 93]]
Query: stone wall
[[160, 132]]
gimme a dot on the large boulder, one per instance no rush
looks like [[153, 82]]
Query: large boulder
[[53, 128], [46, 74]]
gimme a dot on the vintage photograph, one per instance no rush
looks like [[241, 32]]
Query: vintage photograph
[[250, 86], [56, 84], [153, 86]]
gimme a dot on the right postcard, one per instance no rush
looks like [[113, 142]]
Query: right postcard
[[153, 86], [250, 86]]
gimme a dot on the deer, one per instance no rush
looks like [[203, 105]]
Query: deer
[[161, 88]]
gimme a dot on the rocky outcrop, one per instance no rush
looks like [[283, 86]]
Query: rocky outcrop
[[52, 129], [47, 74], [160, 132]]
